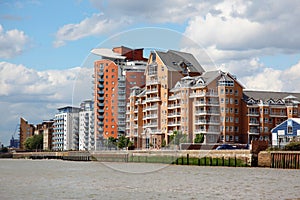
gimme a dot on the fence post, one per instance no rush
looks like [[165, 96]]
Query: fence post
[[187, 159]]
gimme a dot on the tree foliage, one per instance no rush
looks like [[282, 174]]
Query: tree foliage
[[124, 142], [199, 138], [177, 137], [293, 146], [34, 142]]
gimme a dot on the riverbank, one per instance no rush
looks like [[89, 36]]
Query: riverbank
[[235, 158]]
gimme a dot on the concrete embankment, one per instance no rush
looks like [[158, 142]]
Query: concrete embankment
[[184, 157], [68, 155]]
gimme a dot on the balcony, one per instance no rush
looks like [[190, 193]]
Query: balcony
[[101, 98], [121, 85], [174, 114], [100, 80], [100, 110], [174, 97], [151, 107], [207, 122], [100, 73], [204, 94], [277, 114], [153, 116], [204, 112], [253, 123], [153, 124], [101, 92], [174, 106], [204, 103], [100, 86], [101, 104], [253, 114], [152, 82], [151, 91], [253, 132], [207, 131], [152, 99]]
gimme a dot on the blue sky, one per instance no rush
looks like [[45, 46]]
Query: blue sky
[[45, 45]]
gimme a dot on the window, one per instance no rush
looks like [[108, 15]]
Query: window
[[112, 70], [266, 129], [236, 129], [236, 101], [236, 120], [113, 76], [222, 91], [112, 126], [236, 111], [290, 130], [222, 100], [236, 138]]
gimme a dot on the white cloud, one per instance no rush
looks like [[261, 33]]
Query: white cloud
[[35, 95], [92, 26], [239, 29], [155, 11], [12, 42]]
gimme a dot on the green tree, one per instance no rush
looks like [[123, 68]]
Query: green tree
[[199, 138], [111, 142], [178, 137], [34, 142], [124, 142]]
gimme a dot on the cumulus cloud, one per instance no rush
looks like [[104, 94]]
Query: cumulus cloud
[[12, 42], [36, 95], [155, 11], [19, 83], [91, 26], [250, 26]]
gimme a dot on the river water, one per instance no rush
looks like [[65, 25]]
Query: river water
[[57, 179]]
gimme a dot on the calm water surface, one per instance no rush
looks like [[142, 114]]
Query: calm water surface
[[56, 179]]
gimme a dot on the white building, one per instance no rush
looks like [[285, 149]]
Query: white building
[[86, 126], [65, 135]]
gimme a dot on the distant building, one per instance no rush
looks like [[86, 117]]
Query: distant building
[[66, 134], [14, 143], [86, 126], [45, 129], [26, 131], [114, 75], [286, 132]]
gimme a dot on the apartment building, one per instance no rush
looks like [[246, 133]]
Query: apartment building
[[212, 103], [86, 126], [114, 74], [45, 129], [163, 71], [26, 131], [66, 134], [264, 110]]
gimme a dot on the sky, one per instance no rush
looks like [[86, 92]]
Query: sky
[[45, 45]]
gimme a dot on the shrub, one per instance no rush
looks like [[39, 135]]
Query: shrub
[[293, 146]]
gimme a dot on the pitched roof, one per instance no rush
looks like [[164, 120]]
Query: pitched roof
[[172, 60], [266, 95]]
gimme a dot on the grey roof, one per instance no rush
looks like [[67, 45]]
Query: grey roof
[[266, 95], [173, 58]]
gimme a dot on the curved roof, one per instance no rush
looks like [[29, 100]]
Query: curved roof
[[108, 53]]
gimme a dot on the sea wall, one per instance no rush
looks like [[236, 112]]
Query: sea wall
[[279, 159]]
